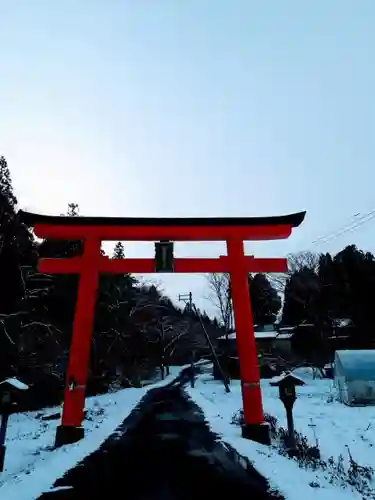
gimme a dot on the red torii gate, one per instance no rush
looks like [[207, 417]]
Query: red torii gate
[[93, 230]]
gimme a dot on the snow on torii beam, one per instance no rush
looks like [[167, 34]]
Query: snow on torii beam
[[93, 230]]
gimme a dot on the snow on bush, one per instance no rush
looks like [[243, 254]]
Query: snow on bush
[[308, 456]]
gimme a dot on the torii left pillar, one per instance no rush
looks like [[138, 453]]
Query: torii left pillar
[[71, 429]]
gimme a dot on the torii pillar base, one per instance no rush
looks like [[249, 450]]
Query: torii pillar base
[[66, 434], [257, 432]]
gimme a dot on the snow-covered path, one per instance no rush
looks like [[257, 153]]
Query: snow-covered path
[[163, 451]]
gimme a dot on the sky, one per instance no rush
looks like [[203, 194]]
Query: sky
[[178, 108]]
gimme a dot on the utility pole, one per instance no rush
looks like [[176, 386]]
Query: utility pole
[[188, 299]]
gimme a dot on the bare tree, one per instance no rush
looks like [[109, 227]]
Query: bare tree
[[166, 335], [296, 262], [220, 296], [146, 282]]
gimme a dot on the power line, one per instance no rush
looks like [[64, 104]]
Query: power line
[[325, 236], [353, 228], [358, 221], [356, 218]]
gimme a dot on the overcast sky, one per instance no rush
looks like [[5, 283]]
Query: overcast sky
[[193, 108]]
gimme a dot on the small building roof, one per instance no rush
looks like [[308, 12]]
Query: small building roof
[[230, 336], [342, 322], [292, 328], [284, 336], [336, 337], [265, 334], [17, 384], [356, 364], [284, 377], [261, 335], [265, 328], [287, 328]]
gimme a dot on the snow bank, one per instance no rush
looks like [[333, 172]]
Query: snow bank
[[316, 413], [32, 466]]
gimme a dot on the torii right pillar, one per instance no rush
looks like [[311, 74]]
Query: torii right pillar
[[254, 426]]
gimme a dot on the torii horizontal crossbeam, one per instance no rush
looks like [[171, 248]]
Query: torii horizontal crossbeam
[[181, 265], [173, 233]]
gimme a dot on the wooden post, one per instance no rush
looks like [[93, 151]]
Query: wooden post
[[3, 430]]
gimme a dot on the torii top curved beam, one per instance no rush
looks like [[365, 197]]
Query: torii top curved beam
[[152, 229], [32, 218]]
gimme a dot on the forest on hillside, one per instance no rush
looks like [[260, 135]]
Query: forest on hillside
[[138, 329]]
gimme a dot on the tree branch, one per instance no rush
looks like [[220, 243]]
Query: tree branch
[[6, 332]]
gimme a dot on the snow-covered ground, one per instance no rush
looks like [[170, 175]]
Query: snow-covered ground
[[31, 466], [316, 412]]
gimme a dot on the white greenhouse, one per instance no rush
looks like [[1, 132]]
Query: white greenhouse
[[354, 376]]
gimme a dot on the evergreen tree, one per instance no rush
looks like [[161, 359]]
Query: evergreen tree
[[300, 297], [16, 250], [265, 301], [73, 210], [355, 284], [15, 245], [118, 251], [328, 302], [61, 299], [6, 189]]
